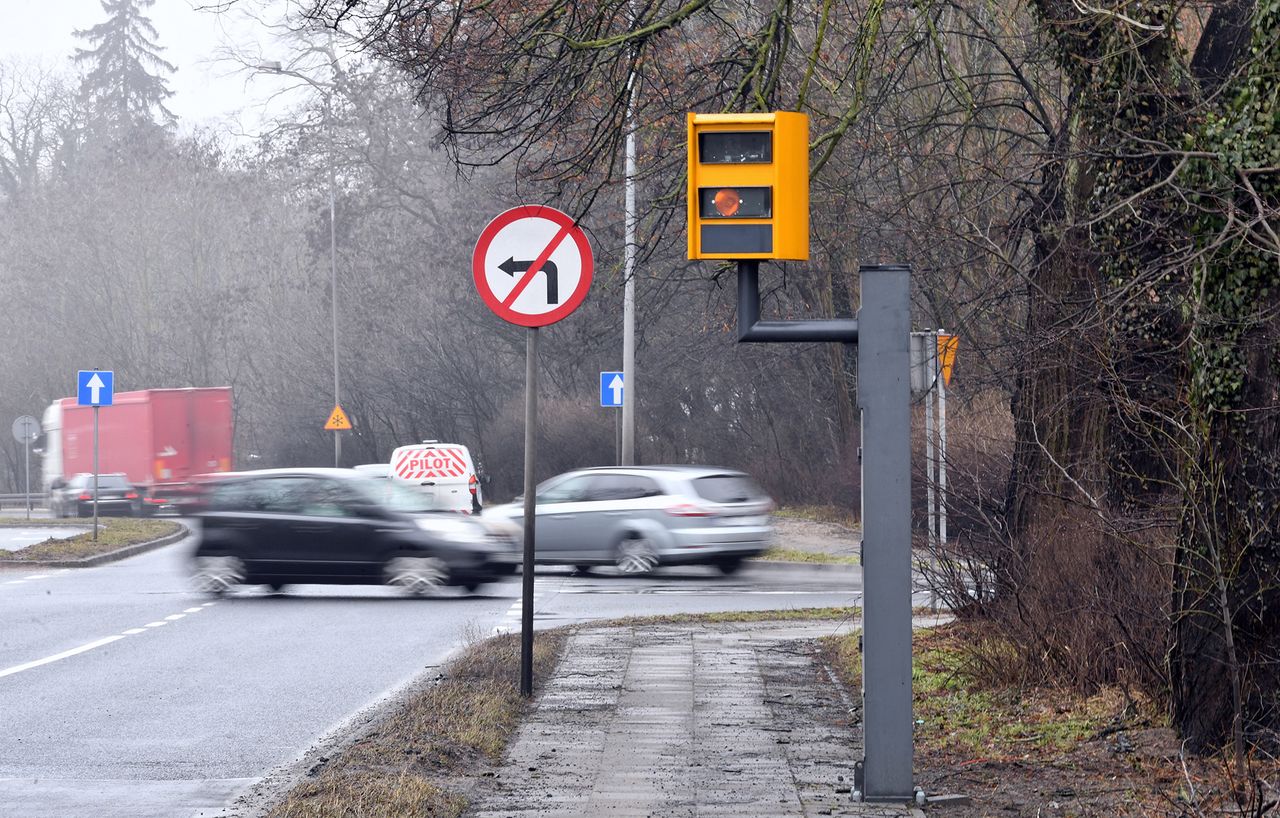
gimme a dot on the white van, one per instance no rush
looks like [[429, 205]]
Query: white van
[[444, 471]]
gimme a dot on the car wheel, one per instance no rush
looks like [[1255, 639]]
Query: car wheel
[[728, 565], [636, 555], [417, 575], [218, 575]]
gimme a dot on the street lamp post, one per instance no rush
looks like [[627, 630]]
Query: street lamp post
[[275, 67], [333, 278]]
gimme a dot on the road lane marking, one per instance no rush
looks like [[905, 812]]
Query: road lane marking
[[30, 577], [193, 610], [106, 640], [540, 595], [66, 654]]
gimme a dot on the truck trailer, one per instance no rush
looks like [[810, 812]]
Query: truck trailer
[[159, 438]]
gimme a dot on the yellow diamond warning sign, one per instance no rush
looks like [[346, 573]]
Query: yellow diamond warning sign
[[947, 345], [338, 421]]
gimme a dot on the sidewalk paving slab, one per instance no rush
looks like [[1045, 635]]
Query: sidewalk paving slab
[[731, 720]]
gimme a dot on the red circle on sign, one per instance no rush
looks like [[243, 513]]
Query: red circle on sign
[[569, 229]]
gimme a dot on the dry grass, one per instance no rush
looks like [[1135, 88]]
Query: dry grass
[[800, 555], [113, 533], [787, 615], [372, 793], [819, 514], [963, 715], [1025, 748], [416, 760]]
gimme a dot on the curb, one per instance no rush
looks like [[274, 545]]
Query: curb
[[813, 566], [110, 556]]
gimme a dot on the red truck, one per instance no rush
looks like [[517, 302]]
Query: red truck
[[159, 438]]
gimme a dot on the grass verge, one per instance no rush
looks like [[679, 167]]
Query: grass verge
[[1031, 749], [962, 716], [415, 760], [729, 617], [819, 514], [113, 533], [797, 555]]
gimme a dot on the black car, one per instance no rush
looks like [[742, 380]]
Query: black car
[[74, 497], [335, 526]]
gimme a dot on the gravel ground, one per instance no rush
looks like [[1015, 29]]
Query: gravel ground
[[821, 538]]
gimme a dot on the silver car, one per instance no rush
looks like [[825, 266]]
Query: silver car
[[638, 518]]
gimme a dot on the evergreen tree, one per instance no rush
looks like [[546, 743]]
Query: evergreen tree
[[119, 88]]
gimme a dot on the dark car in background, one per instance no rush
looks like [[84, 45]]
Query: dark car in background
[[638, 518], [74, 498], [335, 526]]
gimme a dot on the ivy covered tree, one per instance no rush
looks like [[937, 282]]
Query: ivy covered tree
[[124, 88]]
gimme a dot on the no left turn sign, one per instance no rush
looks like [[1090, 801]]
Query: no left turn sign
[[532, 265]]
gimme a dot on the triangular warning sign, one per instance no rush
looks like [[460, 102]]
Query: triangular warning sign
[[338, 420], [947, 345]]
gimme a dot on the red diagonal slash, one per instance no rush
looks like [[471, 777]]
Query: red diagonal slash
[[536, 266]]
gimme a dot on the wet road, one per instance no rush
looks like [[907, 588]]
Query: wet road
[[128, 694]]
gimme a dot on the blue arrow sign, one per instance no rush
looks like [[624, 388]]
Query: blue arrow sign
[[94, 388], [611, 389]]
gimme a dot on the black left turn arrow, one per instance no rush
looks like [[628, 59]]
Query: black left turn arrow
[[511, 267]]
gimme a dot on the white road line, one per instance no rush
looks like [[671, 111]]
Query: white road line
[[58, 656], [100, 642], [517, 608], [30, 577]]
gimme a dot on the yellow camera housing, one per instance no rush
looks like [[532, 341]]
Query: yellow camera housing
[[748, 194]]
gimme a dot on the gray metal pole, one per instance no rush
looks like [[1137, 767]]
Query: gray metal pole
[[95, 474], [26, 445], [930, 372], [884, 397], [530, 516], [629, 288], [333, 278], [942, 456]]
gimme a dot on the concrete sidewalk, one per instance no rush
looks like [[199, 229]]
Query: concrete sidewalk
[[687, 720]]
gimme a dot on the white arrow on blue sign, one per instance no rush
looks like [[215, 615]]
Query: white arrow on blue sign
[[611, 389], [94, 388]]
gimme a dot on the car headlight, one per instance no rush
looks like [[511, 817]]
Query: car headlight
[[452, 530], [502, 527]]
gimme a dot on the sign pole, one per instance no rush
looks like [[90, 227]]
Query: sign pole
[[95, 474], [931, 377], [530, 518], [942, 457], [26, 445], [532, 266]]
